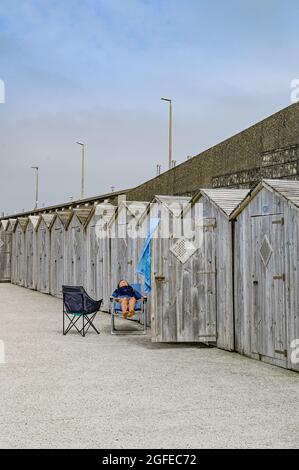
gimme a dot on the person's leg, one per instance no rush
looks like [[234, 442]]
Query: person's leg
[[124, 307], [132, 303]]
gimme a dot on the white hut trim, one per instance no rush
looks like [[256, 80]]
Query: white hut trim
[[169, 203], [23, 221], [4, 224], [82, 215], [13, 224], [64, 217], [48, 219], [106, 210], [34, 219], [133, 207]]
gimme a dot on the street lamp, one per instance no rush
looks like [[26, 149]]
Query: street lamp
[[82, 170], [36, 186], [170, 131]]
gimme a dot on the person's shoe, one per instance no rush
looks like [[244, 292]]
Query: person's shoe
[[125, 315], [131, 313]]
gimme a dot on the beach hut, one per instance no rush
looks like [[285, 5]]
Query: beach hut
[[43, 252], [98, 253], [58, 251], [127, 237], [30, 268], [19, 250], [266, 273], [193, 270], [75, 267], [11, 227], [5, 251]]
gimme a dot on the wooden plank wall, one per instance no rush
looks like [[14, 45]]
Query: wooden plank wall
[[193, 301], [5, 252], [251, 295]]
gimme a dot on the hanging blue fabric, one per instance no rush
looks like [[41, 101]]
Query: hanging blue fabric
[[144, 266]]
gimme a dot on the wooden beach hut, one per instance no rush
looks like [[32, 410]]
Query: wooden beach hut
[[5, 251], [75, 267], [43, 252], [31, 252], [266, 274], [127, 237], [19, 250], [193, 271], [11, 227], [98, 253], [58, 251]]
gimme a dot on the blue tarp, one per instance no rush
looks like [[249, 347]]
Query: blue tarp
[[144, 266]]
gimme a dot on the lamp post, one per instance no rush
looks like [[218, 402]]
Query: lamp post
[[170, 131], [82, 170], [36, 186]]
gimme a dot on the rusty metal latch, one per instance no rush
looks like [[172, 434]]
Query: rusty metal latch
[[159, 278], [282, 277], [284, 352], [278, 221]]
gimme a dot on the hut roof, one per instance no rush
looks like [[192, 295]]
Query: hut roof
[[48, 219], [175, 204], [82, 215], [34, 219], [64, 217], [5, 224], [13, 223], [23, 221], [226, 199], [288, 190]]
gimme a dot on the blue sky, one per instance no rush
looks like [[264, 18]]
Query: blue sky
[[94, 70]]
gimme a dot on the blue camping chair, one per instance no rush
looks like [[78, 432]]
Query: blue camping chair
[[140, 311], [77, 304]]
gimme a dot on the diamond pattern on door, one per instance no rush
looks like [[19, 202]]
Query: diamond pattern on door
[[183, 249], [265, 251]]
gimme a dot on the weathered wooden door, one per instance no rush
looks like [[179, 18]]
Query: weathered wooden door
[[20, 257], [5, 255], [268, 325], [43, 277], [30, 268], [57, 264], [98, 265], [184, 290], [204, 280], [77, 274]]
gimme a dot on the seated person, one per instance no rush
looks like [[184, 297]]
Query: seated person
[[127, 297]]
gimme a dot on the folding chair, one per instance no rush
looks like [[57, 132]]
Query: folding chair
[[140, 309], [77, 304]]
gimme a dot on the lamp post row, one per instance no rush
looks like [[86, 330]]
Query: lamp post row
[[171, 162]]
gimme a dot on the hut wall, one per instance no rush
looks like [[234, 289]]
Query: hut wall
[[184, 294], [18, 256], [224, 275], [30, 267], [98, 260], [75, 267], [125, 247], [5, 253], [193, 300], [43, 258], [57, 257], [266, 294]]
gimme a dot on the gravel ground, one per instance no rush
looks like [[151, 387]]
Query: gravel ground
[[125, 392]]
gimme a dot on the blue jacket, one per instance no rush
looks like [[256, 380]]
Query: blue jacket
[[126, 291]]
